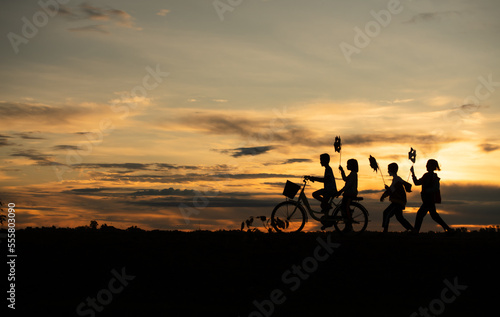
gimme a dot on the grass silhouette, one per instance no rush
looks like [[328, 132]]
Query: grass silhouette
[[224, 272]]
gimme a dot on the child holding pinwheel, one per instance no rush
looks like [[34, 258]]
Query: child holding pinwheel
[[349, 191], [397, 196], [430, 195]]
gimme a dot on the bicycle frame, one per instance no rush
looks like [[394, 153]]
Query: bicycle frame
[[303, 198], [285, 213]]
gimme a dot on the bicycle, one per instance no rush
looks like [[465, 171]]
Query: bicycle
[[291, 216]]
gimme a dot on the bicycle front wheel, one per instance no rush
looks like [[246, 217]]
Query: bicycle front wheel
[[288, 216], [359, 217]]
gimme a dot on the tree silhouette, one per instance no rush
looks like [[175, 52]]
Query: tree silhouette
[[134, 229], [93, 224]]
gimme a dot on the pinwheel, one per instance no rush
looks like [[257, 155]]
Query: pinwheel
[[412, 155], [374, 165], [338, 147]]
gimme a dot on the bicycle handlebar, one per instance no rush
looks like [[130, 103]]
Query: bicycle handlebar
[[307, 178]]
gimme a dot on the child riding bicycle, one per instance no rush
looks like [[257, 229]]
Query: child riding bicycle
[[329, 189]]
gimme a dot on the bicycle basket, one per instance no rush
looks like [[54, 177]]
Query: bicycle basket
[[291, 189]]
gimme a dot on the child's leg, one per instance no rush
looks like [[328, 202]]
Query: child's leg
[[388, 212], [318, 195], [325, 206], [399, 216], [435, 216], [323, 196], [422, 211]]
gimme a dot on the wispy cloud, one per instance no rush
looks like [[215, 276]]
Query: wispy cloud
[[37, 111], [164, 192], [163, 12], [367, 139], [183, 178], [39, 158], [296, 160], [64, 147], [107, 16], [432, 16], [295, 132], [65, 11], [4, 140], [162, 166], [119, 17], [29, 136], [97, 28], [463, 112], [219, 201], [489, 147], [135, 166], [172, 197], [247, 151], [289, 161], [252, 128], [55, 118], [89, 190], [24, 113], [129, 166]]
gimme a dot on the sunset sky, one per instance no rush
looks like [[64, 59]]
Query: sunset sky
[[192, 114]]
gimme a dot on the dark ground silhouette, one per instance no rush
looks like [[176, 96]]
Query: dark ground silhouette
[[223, 273]]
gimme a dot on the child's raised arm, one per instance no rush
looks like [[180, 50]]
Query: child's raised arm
[[415, 180], [344, 177]]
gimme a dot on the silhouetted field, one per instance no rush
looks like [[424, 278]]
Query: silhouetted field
[[230, 273]]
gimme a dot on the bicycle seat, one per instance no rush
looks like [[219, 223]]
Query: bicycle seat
[[357, 198]]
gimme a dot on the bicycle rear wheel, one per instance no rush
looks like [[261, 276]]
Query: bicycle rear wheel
[[359, 217], [288, 216]]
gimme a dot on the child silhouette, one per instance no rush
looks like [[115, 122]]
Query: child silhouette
[[430, 188], [350, 190], [397, 196], [329, 189]]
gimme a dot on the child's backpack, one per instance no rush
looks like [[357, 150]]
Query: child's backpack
[[399, 194]]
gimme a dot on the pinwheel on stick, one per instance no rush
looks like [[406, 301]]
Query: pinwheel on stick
[[412, 155], [374, 165], [338, 147]]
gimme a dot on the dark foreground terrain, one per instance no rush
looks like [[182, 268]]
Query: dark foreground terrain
[[70, 272]]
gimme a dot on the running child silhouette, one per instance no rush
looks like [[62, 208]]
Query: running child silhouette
[[430, 188], [349, 191], [329, 189], [397, 196]]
